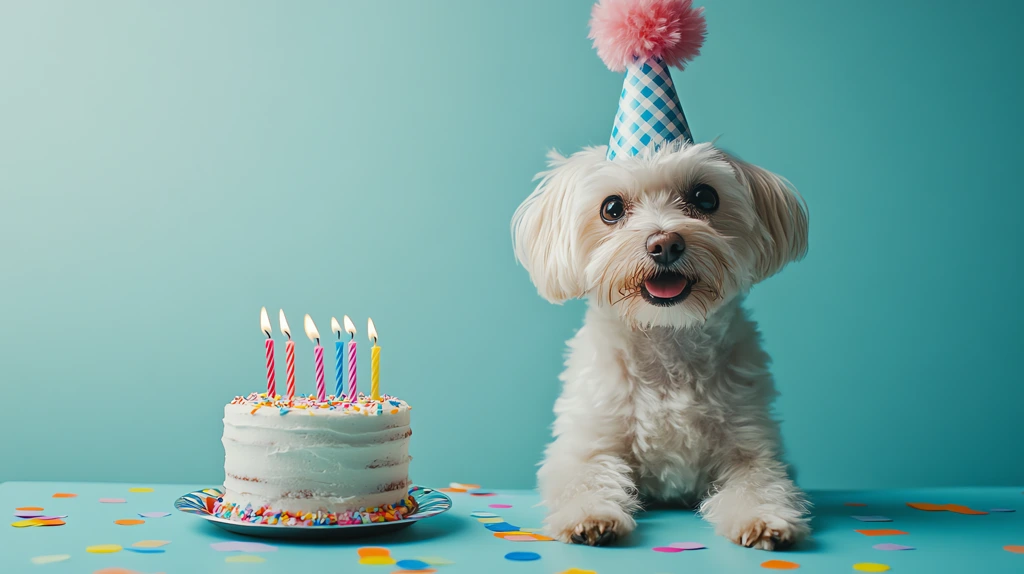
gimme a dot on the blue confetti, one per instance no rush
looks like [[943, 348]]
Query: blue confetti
[[522, 556], [145, 550], [501, 527], [412, 565]]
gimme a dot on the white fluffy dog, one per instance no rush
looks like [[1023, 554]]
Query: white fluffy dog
[[667, 394]]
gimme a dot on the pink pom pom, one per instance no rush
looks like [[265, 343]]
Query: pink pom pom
[[624, 31]]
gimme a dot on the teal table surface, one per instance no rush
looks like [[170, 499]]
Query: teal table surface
[[943, 541]]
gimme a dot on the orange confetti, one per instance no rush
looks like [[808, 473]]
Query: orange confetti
[[51, 522], [780, 565], [367, 551], [880, 532], [1016, 549], [854, 504], [29, 508], [129, 522], [64, 495], [956, 508], [517, 534], [452, 489]]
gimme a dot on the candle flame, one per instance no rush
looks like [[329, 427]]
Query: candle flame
[[350, 327], [264, 321], [371, 331], [335, 327], [311, 331], [283, 323]]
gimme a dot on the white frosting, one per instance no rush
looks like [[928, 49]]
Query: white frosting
[[332, 460]]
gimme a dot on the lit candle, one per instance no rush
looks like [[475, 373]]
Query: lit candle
[[371, 331], [350, 328], [271, 380], [289, 354], [339, 359], [318, 357]]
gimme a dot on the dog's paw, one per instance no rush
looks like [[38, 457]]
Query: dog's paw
[[768, 532], [591, 521], [592, 532]]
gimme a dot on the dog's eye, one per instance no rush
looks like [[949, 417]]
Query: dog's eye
[[704, 197], [612, 209]]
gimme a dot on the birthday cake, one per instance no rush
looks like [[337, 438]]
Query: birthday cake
[[315, 463]]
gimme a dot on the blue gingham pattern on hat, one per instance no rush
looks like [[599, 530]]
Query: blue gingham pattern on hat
[[650, 114]]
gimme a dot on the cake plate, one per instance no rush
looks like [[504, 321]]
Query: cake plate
[[429, 502]]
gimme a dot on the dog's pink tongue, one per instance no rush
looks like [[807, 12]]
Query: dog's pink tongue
[[666, 286]]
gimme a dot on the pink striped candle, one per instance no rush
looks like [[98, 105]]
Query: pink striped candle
[[352, 371], [289, 358], [318, 357], [271, 376]]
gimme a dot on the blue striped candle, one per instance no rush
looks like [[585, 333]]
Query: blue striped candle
[[339, 368]]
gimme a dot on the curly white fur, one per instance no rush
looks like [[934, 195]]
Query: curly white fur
[[663, 403]]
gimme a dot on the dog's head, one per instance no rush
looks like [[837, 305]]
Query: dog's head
[[664, 238]]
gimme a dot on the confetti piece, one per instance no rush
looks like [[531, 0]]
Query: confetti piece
[[144, 550], [961, 509], [536, 537], [24, 523], [872, 518], [577, 571], [1001, 510], [780, 565], [870, 567], [483, 494], [28, 514], [500, 505], [688, 545], [51, 522], [129, 522], [666, 549], [495, 520], [956, 508], [154, 514], [891, 546], [103, 549], [151, 543], [140, 489], [51, 517], [1016, 549], [246, 559], [522, 556], [854, 504], [367, 551], [521, 538], [464, 486], [436, 560], [452, 489], [64, 495], [50, 558], [112, 500], [377, 561], [482, 514], [880, 532], [501, 527], [243, 547], [537, 529], [29, 509], [412, 565]]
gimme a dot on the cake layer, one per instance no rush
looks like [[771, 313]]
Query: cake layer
[[311, 457]]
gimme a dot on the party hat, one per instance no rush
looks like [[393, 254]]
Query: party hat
[[644, 38]]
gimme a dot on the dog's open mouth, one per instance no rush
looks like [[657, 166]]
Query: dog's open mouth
[[666, 289]]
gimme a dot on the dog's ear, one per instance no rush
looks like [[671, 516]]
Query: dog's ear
[[545, 225], [782, 213]]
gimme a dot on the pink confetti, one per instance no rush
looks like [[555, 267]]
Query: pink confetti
[[500, 505], [666, 549], [242, 547], [891, 546], [112, 500], [154, 514], [520, 538], [688, 545], [28, 514]]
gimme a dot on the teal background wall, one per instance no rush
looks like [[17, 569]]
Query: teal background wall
[[168, 168]]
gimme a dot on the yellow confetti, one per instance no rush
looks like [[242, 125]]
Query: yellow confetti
[[51, 558], [151, 543], [490, 520], [24, 523], [870, 567], [245, 558], [577, 571], [377, 561], [103, 549], [140, 489]]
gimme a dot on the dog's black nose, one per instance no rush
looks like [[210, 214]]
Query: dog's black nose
[[665, 248]]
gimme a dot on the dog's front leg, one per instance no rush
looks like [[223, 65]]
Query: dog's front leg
[[756, 504], [587, 489]]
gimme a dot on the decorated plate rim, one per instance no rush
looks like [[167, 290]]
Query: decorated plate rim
[[430, 502]]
